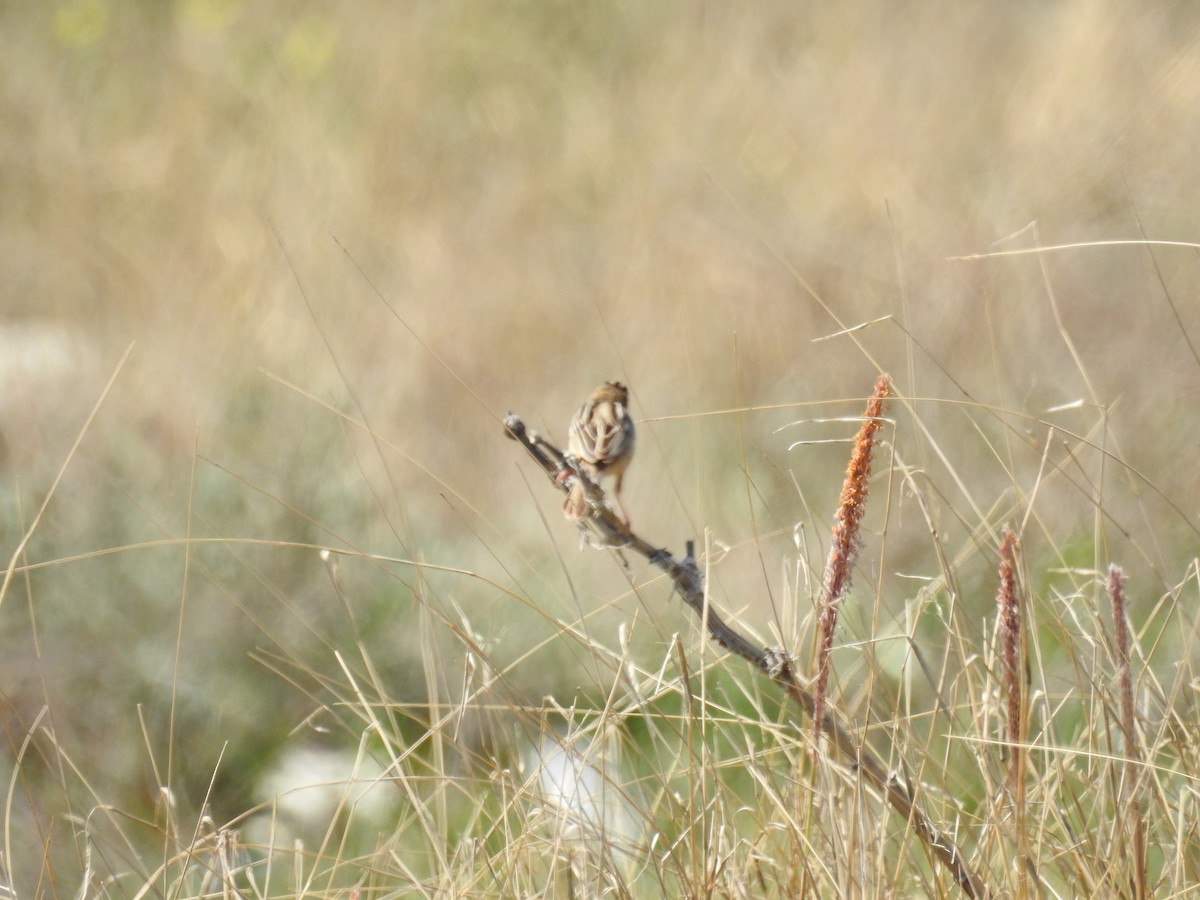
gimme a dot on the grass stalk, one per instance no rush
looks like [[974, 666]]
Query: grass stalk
[[1130, 796], [845, 542]]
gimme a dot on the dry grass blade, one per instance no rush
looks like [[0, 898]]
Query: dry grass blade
[[33, 526], [1130, 791]]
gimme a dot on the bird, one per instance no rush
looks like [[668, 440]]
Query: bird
[[601, 438]]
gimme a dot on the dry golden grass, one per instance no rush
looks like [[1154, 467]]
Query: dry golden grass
[[338, 244]]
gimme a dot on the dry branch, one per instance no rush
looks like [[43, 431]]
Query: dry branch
[[608, 530]]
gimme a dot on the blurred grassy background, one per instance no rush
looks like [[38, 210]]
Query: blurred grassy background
[[550, 194]]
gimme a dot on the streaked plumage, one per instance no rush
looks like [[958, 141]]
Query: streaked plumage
[[601, 437]]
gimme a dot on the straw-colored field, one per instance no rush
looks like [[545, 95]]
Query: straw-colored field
[[272, 275]]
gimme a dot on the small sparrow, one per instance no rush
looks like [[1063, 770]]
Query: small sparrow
[[601, 438]]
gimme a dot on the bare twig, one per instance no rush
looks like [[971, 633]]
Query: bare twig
[[774, 662]]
